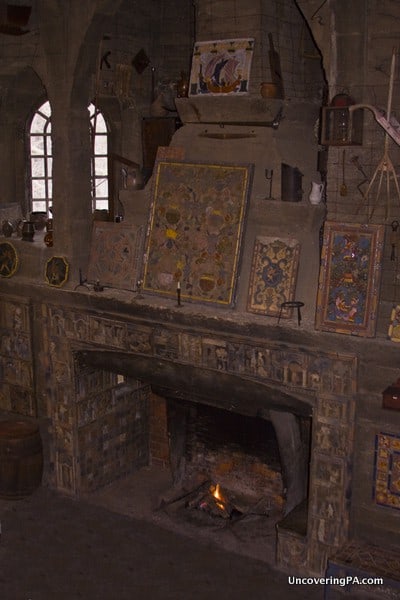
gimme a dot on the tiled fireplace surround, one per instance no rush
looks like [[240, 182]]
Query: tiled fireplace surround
[[62, 362]]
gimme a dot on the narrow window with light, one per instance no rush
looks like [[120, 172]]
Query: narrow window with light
[[41, 159], [99, 159]]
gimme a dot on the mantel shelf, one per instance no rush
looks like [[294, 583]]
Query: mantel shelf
[[230, 110]]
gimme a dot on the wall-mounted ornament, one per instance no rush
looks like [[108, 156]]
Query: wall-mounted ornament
[[115, 255], [140, 61], [385, 168], [273, 276], [221, 67], [394, 326], [56, 271], [387, 470], [9, 259], [195, 230], [340, 126], [350, 275]]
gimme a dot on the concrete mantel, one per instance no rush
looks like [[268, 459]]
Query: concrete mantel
[[240, 110]]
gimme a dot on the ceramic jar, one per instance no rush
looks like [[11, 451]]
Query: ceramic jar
[[7, 228], [39, 219], [316, 193], [28, 231], [268, 90], [48, 238]]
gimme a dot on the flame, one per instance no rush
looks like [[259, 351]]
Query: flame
[[216, 492], [219, 497]]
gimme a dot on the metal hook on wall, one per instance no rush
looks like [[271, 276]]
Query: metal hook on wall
[[268, 177]]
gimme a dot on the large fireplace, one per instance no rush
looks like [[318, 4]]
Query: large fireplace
[[245, 455], [123, 392], [224, 465]]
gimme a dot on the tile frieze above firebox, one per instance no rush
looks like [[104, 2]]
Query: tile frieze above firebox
[[297, 369]]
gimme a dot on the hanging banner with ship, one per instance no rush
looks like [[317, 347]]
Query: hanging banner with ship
[[221, 67]]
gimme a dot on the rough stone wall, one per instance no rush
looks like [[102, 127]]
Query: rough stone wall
[[358, 59], [37, 378], [299, 59]]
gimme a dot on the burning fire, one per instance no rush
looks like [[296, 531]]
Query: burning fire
[[220, 501]]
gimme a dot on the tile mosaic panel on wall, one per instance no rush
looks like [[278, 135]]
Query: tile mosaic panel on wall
[[195, 229], [273, 276], [327, 373], [16, 358], [112, 429], [114, 255], [349, 278], [386, 489], [221, 67]]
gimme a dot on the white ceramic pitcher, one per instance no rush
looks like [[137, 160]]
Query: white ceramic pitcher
[[317, 189]]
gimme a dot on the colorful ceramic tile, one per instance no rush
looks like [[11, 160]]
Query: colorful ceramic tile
[[56, 272], [394, 327], [386, 490], [195, 229], [9, 260], [273, 276], [115, 255], [221, 67], [350, 276]]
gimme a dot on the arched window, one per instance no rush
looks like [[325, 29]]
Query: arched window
[[99, 159], [41, 159]]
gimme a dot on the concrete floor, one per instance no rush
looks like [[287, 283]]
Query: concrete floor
[[56, 548]]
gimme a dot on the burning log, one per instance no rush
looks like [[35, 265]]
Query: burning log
[[214, 502], [209, 498]]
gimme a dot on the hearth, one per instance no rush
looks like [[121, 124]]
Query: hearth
[[227, 471], [233, 452]]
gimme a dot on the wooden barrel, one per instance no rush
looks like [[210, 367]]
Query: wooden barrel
[[21, 458]]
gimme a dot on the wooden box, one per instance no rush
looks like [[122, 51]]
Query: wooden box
[[391, 396]]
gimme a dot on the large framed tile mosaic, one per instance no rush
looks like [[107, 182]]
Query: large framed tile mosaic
[[386, 489], [350, 275], [221, 67], [273, 276], [115, 254], [195, 230]]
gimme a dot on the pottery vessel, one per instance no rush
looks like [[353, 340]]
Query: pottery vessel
[[48, 238], [39, 219], [269, 90], [7, 228], [28, 231], [317, 190]]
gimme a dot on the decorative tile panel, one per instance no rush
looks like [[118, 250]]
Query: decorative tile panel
[[386, 489]]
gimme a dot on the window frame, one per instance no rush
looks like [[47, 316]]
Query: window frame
[[36, 202], [99, 202], [99, 160]]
